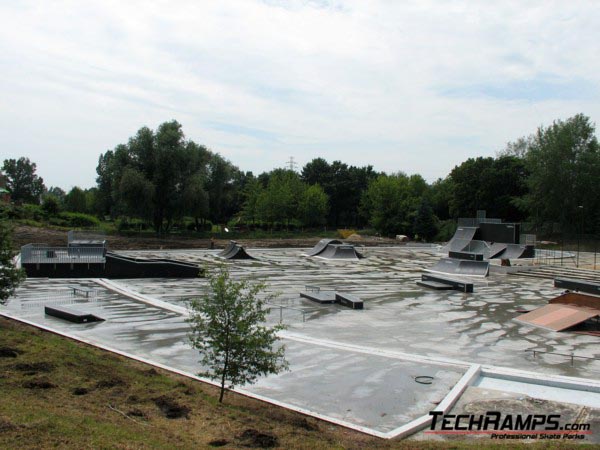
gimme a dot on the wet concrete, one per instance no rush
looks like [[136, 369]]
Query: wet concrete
[[363, 388]]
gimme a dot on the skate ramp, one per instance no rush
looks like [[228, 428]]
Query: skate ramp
[[461, 239], [234, 251], [516, 251], [227, 249], [496, 250], [321, 245], [461, 267], [339, 251]]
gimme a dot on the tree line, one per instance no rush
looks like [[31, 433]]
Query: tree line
[[164, 179]]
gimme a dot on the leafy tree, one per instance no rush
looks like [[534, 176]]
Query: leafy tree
[[50, 205], [227, 329], [494, 185], [313, 206], [564, 165], [75, 200], [24, 184], [162, 177], [10, 276], [343, 184], [425, 226]]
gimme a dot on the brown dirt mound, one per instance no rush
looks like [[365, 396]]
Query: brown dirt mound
[[256, 439], [33, 368], [8, 352], [171, 409], [40, 383]]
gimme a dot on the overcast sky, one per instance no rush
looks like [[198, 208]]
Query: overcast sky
[[414, 86]]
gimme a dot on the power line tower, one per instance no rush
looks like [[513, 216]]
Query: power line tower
[[292, 164]]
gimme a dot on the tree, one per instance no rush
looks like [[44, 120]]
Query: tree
[[75, 200], [493, 185], [226, 327], [564, 165], [24, 184], [425, 226], [162, 177], [313, 206], [10, 276]]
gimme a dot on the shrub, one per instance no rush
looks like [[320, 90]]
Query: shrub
[[78, 220], [345, 233]]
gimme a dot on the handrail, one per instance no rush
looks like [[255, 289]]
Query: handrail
[[572, 355]]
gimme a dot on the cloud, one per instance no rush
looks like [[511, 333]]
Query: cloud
[[415, 86]]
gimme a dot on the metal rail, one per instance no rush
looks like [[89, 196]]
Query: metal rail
[[572, 356], [40, 254]]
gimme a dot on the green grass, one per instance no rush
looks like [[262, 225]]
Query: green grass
[[55, 417]]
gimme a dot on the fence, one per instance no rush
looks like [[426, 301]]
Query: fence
[[43, 254]]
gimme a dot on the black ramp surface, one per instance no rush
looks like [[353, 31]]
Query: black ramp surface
[[481, 247], [339, 251], [71, 314], [496, 250], [237, 252], [461, 267], [227, 249], [515, 251], [321, 245]]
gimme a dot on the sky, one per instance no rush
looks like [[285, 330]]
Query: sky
[[412, 86]]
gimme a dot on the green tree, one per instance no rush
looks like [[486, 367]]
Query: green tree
[[391, 202], [24, 184], [492, 184], [10, 276], [314, 206], [50, 205], [75, 200], [426, 223], [227, 328], [564, 165]]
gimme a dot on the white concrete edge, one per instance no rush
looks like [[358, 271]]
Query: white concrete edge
[[120, 289], [462, 275], [373, 351], [558, 381], [244, 392], [468, 378]]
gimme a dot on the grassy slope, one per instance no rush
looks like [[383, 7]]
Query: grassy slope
[[56, 417]]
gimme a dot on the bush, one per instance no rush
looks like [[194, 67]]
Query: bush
[[79, 220], [345, 234], [32, 212], [446, 230]]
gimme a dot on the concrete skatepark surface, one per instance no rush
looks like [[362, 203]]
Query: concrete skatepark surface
[[345, 364]]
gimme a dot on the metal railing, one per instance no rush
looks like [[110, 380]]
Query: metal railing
[[75, 235], [572, 356], [473, 222], [41, 254]]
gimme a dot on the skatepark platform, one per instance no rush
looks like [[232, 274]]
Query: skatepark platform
[[234, 251], [71, 314], [349, 300], [441, 283], [320, 296], [461, 267], [588, 287]]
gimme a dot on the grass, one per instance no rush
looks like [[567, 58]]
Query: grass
[[60, 393]]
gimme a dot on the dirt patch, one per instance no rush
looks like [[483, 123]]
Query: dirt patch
[[109, 383], [8, 352], [80, 391], [6, 425], [136, 412], [256, 439], [171, 409], [218, 443], [25, 234], [40, 383], [305, 424], [152, 372], [33, 368]]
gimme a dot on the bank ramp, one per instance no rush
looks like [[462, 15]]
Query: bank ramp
[[461, 267]]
